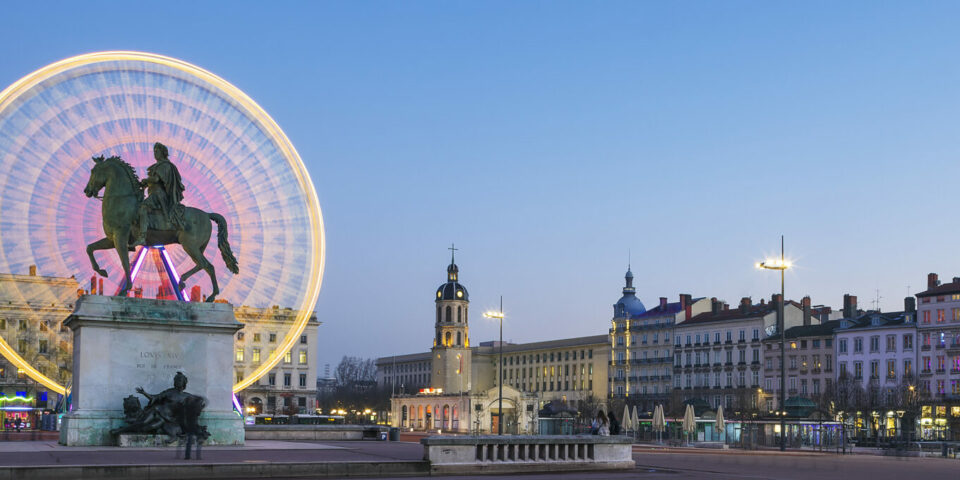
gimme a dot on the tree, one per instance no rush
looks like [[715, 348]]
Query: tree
[[355, 390]]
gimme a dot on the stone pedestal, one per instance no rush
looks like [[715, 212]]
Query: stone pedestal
[[121, 343]]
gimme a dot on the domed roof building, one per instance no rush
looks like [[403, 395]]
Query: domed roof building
[[452, 290], [629, 304]]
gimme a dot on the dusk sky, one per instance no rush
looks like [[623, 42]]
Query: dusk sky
[[549, 139]]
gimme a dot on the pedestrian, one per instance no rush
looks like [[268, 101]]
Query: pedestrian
[[18, 423], [603, 424], [614, 424]]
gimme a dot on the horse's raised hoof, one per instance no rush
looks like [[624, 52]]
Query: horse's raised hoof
[[182, 286], [211, 298], [101, 272]]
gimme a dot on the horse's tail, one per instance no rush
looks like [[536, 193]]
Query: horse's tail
[[222, 243]]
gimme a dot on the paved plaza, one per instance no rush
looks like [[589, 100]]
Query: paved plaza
[[651, 463]]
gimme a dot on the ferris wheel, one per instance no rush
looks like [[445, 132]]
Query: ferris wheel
[[233, 158]]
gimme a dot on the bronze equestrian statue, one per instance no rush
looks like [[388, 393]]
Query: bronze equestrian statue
[[160, 219]]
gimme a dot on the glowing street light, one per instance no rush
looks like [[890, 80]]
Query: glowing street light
[[781, 264], [499, 316]]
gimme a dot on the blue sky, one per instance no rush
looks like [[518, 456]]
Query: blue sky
[[548, 139]]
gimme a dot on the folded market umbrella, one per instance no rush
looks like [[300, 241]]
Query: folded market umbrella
[[721, 424], [659, 422], [689, 422], [635, 420], [626, 423]]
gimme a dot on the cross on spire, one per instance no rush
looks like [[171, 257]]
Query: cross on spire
[[453, 250]]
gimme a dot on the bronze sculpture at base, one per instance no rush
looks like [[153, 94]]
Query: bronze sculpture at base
[[172, 412]]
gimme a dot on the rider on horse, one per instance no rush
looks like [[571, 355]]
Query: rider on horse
[[164, 194]]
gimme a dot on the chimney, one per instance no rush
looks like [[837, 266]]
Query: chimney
[[686, 305], [745, 303], [663, 303], [956, 279], [932, 280], [715, 306], [33, 270], [805, 302], [850, 304], [776, 298], [763, 301], [726, 306], [100, 287], [195, 294], [909, 304], [93, 284]]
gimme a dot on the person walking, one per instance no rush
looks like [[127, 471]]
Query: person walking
[[603, 424], [614, 424]]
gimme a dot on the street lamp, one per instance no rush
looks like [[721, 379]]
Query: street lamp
[[499, 316], [782, 264]]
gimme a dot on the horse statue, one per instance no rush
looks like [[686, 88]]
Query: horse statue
[[122, 196]]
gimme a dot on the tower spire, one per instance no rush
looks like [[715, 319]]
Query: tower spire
[[453, 250]]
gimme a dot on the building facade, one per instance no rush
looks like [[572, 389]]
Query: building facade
[[876, 369], [641, 360], [291, 386], [810, 365], [717, 354], [938, 325], [32, 312], [938, 330], [456, 385]]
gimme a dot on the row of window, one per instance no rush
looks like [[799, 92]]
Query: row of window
[[652, 338], [544, 357], [802, 344], [21, 374], [643, 372], [772, 385], [272, 337], [642, 390], [705, 337], [702, 380], [43, 346], [645, 354], [941, 298], [875, 373], [407, 380], [554, 371], [646, 323], [287, 402], [255, 355], [461, 312], [939, 339], [695, 358], [926, 362], [407, 367], [272, 379], [22, 324], [801, 362], [890, 343], [941, 315]]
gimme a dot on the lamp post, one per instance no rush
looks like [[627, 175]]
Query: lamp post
[[781, 265], [499, 315]]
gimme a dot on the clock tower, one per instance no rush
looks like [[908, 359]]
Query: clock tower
[[451, 343]]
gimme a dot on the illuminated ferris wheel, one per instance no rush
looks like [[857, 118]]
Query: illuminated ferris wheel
[[233, 158]]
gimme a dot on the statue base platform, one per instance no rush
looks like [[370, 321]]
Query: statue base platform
[[122, 343]]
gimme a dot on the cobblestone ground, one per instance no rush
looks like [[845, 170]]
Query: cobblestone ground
[[738, 465], [677, 464]]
